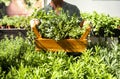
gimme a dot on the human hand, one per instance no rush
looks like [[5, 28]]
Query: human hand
[[34, 22]]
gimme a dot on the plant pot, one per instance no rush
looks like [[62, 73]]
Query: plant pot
[[1, 27]]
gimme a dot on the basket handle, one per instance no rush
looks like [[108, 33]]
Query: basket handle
[[88, 29], [33, 24]]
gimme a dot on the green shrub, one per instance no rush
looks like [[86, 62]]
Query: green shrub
[[22, 61]]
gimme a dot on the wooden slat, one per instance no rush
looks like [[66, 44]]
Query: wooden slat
[[67, 45]]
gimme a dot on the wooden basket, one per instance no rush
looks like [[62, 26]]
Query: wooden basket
[[67, 45]]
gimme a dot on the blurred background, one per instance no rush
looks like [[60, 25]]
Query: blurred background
[[25, 7]]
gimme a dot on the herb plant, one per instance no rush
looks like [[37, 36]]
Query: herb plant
[[102, 24], [58, 26], [18, 59]]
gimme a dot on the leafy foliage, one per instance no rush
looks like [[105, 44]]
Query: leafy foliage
[[16, 21], [102, 22], [63, 26], [58, 26], [10, 52], [6, 2], [111, 57], [22, 61]]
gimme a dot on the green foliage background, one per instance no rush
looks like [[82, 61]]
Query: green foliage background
[[19, 60]]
